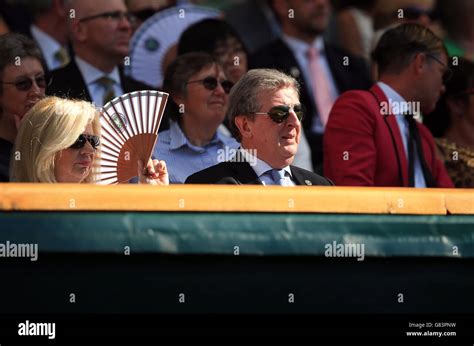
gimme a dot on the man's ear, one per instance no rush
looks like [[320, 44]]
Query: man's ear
[[419, 63], [245, 126], [78, 30]]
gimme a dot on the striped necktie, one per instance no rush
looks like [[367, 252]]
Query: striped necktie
[[108, 84], [62, 56], [278, 176]]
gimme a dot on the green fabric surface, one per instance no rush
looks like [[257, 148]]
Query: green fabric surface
[[253, 233]]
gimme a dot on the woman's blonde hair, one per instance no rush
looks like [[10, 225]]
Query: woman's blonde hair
[[52, 125]]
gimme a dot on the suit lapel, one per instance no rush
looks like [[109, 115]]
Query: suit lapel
[[79, 88], [242, 171], [395, 130], [297, 178], [337, 69]]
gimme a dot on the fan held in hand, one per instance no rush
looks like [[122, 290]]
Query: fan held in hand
[[129, 130]]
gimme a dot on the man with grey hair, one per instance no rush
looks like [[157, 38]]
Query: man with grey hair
[[265, 115]]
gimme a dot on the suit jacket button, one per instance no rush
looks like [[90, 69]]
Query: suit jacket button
[[308, 182]]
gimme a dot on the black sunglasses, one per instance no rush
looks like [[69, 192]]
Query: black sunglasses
[[280, 113], [448, 74], [82, 139], [25, 84], [210, 83], [114, 15]]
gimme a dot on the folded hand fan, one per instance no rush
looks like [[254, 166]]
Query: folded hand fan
[[154, 38], [129, 129]]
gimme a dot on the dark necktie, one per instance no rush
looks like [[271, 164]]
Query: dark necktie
[[62, 56], [414, 140]]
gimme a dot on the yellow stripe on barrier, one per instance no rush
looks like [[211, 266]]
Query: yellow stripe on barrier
[[225, 198]]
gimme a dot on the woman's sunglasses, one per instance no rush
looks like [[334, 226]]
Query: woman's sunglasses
[[280, 113], [25, 84], [210, 83], [82, 139]]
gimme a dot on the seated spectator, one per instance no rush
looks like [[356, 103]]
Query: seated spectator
[[216, 37], [265, 115], [372, 137], [58, 143], [453, 123], [23, 84], [49, 30], [100, 35], [199, 91], [323, 70]]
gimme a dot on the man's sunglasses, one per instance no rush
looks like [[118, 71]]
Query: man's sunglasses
[[114, 15], [448, 74], [280, 113], [210, 83], [25, 84], [82, 139]]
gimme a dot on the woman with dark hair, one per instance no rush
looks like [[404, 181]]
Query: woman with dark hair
[[452, 122], [23, 84], [216, 37], [199, 92]]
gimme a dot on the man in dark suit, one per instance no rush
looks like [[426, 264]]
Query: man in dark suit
[[372, 137], [265, 115], [49, 30], [324, 71], [100, 33]]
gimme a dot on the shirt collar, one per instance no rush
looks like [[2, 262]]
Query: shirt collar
[[390, 93], [179, 139], [301, 46], [91, 73], [46, 42], [261, 167]]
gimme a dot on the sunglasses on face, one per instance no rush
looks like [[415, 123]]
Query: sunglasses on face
[[210, 83], [83, 138], [114, 15], [280, 113], [25, 84]]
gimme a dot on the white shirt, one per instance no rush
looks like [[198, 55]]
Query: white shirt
[[91, 74], [48, 45], [393, 96], [300, 51]]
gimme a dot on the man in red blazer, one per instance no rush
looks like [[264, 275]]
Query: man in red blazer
[[372, 137]]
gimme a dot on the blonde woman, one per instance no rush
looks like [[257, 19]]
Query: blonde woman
[[58, 142]]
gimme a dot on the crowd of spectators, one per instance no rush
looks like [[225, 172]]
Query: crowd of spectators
[[313, 92]]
